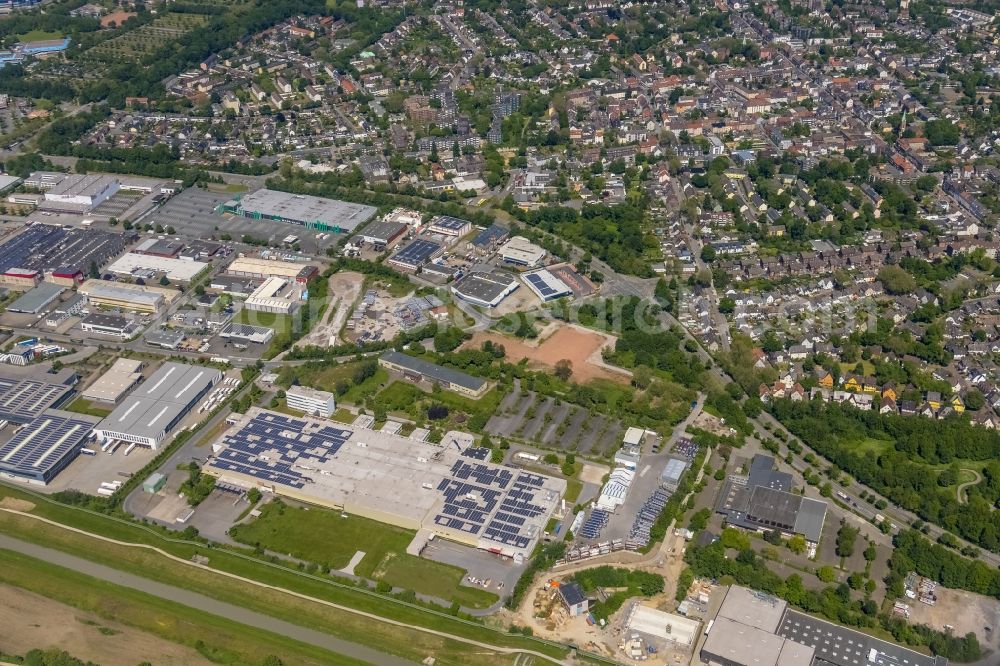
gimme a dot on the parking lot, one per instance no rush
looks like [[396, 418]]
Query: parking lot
[[479, 565], [564, 426], [192, 213], [87, 473]]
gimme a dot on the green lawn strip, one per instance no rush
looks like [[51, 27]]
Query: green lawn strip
[[343, 416], [84, 406], [38, 36], [573, 489], [393, 639], [220, 639], [324, 537], [321, 587]]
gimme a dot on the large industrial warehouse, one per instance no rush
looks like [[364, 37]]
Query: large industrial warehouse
[[159, 404], [447, 490], [311, 212], [22, 399], [757, 629], [45, 446]]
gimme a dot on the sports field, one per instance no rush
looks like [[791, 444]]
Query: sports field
[[581, 347]]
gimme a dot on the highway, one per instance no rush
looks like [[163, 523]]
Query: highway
[[202, 602]]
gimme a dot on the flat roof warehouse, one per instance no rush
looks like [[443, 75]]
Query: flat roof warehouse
[[146, 416], [309, 211], [446, 489], [45, 446]]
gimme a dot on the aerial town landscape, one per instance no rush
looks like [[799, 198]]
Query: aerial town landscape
[[512, 332]]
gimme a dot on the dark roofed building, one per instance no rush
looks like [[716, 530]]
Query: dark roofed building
[[573, 598], [490, 237], [763, 501], [383, 234], [417, 369]]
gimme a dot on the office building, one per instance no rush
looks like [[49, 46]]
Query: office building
[[114, 326], [310, 401]]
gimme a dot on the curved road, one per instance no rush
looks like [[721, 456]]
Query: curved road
[[962, 499], [201, 602]]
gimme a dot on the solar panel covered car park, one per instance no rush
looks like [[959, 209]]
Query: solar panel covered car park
[[45, 446], [449, 490]]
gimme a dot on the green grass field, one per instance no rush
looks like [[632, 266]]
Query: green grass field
[[38, 36], [84, 406], [873, 446], [218, 639], [323, 536], [401, 641], [403, 397], [324, 376]]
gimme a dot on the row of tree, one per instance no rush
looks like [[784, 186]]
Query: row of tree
[[903, 473]]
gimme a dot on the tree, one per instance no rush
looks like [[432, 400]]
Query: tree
[[797, 544], [826, 574], [846, 538], [941, 132], [727, 305], [974, 399], [564, 369], [708, 254], [896, 281]]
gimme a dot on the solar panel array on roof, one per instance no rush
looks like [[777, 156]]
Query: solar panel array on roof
[[546, 285], [276, 449], [841, 646], [467, 505], [21, 400], [44, 247], [42, 448], [417, 252]]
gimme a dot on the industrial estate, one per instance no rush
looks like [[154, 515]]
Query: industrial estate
[[499, 332]]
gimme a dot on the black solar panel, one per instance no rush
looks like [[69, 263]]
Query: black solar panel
[[269, 446]]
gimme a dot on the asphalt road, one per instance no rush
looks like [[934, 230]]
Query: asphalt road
[[203, 603]]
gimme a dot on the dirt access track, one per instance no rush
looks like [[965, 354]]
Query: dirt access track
[[558, 341], [31, 621]]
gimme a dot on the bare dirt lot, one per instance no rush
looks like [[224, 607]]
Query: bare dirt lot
[[579, 346], [344, 289], [31, 621], [965, 611]]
